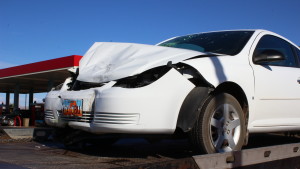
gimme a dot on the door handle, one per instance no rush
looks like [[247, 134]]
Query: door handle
[[298, 80]]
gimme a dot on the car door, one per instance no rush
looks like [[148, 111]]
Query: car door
[[277, 88]]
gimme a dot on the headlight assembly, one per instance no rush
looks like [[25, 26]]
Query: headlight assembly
[[143, 79]]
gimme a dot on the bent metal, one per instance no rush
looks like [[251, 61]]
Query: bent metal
[[218, 87]]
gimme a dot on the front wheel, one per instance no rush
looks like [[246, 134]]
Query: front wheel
[[220, 126]]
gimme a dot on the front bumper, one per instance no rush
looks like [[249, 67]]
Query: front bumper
[[52, 105], [151, 109]]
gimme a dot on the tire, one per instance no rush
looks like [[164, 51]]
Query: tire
[[220, 126]]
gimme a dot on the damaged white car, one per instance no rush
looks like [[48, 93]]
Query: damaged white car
[[218, 87]]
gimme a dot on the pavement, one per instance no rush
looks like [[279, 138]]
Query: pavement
[[126, 153], [16, 132]]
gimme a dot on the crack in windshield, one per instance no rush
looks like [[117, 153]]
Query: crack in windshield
[[226, 42]]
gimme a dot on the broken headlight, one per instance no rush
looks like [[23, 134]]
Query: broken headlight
[[79, 85], [143, 79], [58, 87]]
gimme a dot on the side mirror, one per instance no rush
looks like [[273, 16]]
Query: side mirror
[[268, 55]]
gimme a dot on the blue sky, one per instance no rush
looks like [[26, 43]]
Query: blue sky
[[36, 30]]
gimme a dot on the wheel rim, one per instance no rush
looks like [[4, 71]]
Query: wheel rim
[[225, 128]]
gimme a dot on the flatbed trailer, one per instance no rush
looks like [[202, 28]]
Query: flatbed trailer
[[285, 156], [280, 156]]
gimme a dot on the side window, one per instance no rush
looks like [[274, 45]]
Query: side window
[[275, 43]]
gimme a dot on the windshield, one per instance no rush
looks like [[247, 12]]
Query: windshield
[[227, 42]]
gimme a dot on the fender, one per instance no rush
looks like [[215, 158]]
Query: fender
[[191, 107]]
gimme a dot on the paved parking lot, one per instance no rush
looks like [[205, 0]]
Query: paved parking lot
[[125, 152]]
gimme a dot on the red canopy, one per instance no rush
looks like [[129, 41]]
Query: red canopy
[[36, 76]]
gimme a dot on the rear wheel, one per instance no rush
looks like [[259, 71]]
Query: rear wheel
[[220, 126]]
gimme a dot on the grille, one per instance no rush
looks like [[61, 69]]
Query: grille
[[49, 114], [116, 118], [86, 117]]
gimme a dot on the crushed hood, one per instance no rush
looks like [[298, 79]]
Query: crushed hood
[[107, 61]]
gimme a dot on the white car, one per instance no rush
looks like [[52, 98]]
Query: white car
[[218, 87]]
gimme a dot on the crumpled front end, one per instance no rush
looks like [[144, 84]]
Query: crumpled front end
[[107, 61], [148, 109], [124, 88]]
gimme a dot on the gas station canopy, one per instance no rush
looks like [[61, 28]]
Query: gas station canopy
[[37, 77]]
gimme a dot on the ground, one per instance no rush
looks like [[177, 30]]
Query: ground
[[28, 153]]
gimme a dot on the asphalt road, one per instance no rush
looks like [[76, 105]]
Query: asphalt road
[[125, 152]]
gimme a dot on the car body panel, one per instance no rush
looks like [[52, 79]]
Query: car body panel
[[277, 94], [153, 109], [106, 61], [53, 104], [138, 110]]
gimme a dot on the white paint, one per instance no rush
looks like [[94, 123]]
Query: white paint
[[107, 61], [273, 102]]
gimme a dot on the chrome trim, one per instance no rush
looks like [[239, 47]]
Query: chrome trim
[[49, 114], [86, 117], [116, 118]]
